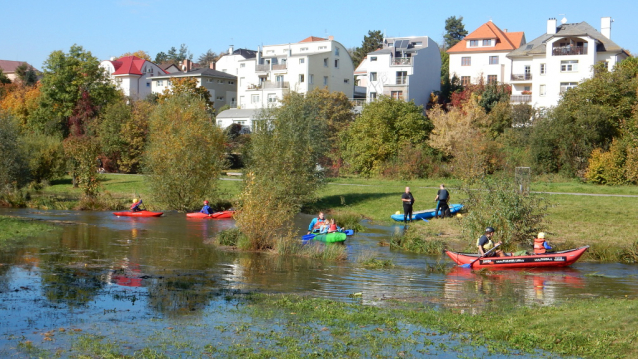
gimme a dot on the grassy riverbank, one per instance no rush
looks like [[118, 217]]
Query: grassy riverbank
[[15, 228], [289, 326]]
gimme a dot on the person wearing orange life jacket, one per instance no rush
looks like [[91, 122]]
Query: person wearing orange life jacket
[[540, 244], [316, 223]]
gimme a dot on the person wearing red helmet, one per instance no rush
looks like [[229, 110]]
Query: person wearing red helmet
[[206, 209]]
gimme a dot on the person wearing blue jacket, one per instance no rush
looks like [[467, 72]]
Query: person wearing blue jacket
[[316, 222], [206, 209]]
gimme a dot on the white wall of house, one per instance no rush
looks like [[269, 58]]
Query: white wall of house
[[132, 85], [480, 66]]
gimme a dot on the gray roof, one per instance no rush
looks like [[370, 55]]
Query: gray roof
[[247, 54], [538, 45], [238, 113], [203, 72]]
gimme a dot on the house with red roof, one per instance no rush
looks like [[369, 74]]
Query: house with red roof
[[482, 55], [132, 75]]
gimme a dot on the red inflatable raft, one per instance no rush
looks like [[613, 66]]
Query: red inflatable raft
[[216, 215], [138, 214], [554, 259]]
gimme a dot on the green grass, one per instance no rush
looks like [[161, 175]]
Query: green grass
[[14, 228]]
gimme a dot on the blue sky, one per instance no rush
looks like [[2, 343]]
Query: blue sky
[[31, 30]]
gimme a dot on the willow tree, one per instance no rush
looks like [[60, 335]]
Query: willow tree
[[282, 172], [185, 153]]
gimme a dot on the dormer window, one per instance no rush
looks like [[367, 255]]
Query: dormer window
[[474, 43], [487, 42]]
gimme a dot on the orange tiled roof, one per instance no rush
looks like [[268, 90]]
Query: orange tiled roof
[[504, 40], [313, 38]]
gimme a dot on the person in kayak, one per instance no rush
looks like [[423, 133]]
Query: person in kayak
[[485, 243], [206, 209], [333, 226], [541, 246], [136, 206], [442, 199], [316, 223], [408, 201]]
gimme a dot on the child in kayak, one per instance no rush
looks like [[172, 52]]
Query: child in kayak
[[206, 209], [135, 207], [333, 226]]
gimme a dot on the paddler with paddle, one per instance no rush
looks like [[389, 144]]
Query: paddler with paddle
[[135, 207], [485, 243], [206, 209], [316, 223]]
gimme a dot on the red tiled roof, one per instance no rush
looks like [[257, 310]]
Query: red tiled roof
[[10, 66], [313, 38], [504, 40], [129, 65]]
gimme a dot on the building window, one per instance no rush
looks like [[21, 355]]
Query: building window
[[149, 70], [279, 78], [465, 80], [346, 81], [312, 79], [336, 51], [301, 61], [336, 63], [492, 79], [325, 62], [220, 81], [323, 47], [302, 49], [542, 90], [325, 80], [270, 51], [272, 98], [160, 83], [397, 95], [373, 58], [373, 96], [373, 76], [301, 78], [487, 42], [231, 82], [254, 98], [402, 77], [241, 65], [564, 86], [219, 98], [148, 84], [390, 44], [417, 43], [493, 60], [569, 66], [474, 43], [169, 83], [466, 61], [542, 69], [209, 80]]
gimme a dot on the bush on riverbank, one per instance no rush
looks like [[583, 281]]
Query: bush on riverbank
[[413, 240]]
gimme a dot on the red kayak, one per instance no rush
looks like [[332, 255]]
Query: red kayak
[[216, 215], [138, 214], [554, 259]]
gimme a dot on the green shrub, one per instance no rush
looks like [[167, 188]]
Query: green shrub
[[229, 237], [348, 220], [368, 260], [411, 241], [45, 156]]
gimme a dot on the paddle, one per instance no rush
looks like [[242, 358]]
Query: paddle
[[308, 237], [469, 265], [349, 232]]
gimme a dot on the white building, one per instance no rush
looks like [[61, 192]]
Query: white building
[[482, 55], [560, 59], [230, 63], [132, 75], [407, 68], [222, 86]]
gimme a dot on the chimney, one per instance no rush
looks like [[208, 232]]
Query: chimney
[[504, 30], [112, 58], [231, 48], [331, 37], [551, 26], [605, 26], [186, 65], [212, 65]]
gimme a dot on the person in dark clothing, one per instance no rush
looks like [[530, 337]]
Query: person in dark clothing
[[408, 201], [443, 198], [485, 243]]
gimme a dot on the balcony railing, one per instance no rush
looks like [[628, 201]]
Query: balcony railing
[[521, 98], [265, 67], [270, 85], [357, 101], [521, 77], [569, 50], [399, 61]]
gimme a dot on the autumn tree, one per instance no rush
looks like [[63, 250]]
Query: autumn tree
[[26, 74], [22, 103], [3, 78], [454, 31], [383, 128], [187, 86], [281, 174], [67, 76], [139, 53], [371, 42], [14, 171], [185, 153]]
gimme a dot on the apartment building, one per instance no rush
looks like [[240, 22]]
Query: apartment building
[[406, 68]]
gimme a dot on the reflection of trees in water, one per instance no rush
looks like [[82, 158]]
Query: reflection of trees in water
[[178, 293], [73, 285]]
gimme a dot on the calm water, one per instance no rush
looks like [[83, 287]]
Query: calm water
[[102, 270]]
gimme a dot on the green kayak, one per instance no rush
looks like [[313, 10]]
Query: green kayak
[[331, 237]]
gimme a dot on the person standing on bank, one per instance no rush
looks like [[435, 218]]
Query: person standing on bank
[[443, 198], [408, 201]]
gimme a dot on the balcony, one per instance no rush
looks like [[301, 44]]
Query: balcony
[[401, 61], [521, 77], [279, 67], [357, 101], [569, 50], [269, 85], [521, 98], [262, 68]]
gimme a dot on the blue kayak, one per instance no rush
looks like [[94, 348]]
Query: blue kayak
[[427, 214]]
